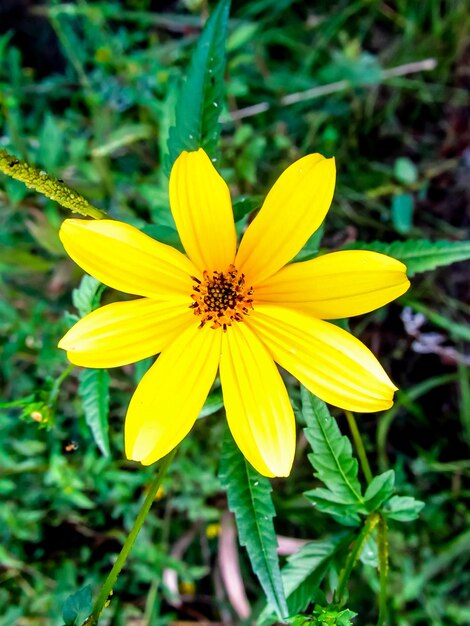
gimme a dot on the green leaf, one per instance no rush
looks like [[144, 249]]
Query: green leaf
[[304, 573], [327, 502], [333, 617], [312, 246], [405, 171], [21, 260], [244, 205], [123, 136], [249, 498], [334, 463], [402, 212], [94, 392], [86, 296], [402, 508], [201, 96], [369, 552], [50, 143], [164, 234], [419, 255], [213, 404], [380, 489], [77, 607]]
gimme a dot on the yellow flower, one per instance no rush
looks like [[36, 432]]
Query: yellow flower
[[239, 312]]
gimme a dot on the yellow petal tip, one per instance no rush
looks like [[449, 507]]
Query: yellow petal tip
[[140, 447], [65, 343]]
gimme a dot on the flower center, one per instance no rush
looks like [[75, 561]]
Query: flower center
[[221, 298]]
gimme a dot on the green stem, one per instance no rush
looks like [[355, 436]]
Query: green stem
[[382, 544], [108, 585], [370, 524], [361, 451], [58, 382]]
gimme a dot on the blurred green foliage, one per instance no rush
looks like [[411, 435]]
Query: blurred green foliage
[[90, 99]]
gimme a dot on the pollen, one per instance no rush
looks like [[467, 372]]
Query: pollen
[[221, 298]]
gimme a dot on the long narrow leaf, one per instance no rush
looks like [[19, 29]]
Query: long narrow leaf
[[201, 96], [249, 498]]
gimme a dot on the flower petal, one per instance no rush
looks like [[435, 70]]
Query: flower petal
[[125, 332], [294, 208], [202, 209], [336, 285], [170, 396], [123, 258], [327, 360], [258, 409]]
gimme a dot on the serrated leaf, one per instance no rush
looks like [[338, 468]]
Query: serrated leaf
[[304, 573], [419, 255], [249, 498], [327, 502], [201, 96], [330, 616], [93, 389], [85, 297], [379, 490], [333, 461], [402, 508], [77, 607]]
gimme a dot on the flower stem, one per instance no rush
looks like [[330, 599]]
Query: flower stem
[[108, 585], [361, 451], [49, 186], [370, 524], [58, 382], [382, 544]]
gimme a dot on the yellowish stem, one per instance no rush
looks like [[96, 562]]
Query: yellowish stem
[[49, 186]]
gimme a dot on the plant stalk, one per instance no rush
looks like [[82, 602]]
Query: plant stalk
[[359, 444], [382, 544], [370, 524], [49, 186], [108, 585]]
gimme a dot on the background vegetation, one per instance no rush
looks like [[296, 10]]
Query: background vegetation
[[88, 92]]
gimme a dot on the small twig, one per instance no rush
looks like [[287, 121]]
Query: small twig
[[425, 65]]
